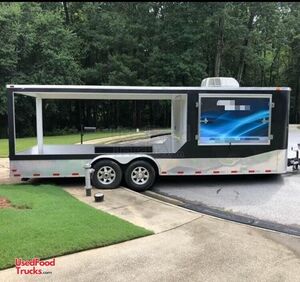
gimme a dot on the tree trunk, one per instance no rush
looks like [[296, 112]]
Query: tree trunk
[[296, 111], [134, 115], [138, 113], [95, 110], [66, 10], [118, 113], [88, 114], [78, 114], [271, 78], [263, 73], [220, 45], [245, 45]]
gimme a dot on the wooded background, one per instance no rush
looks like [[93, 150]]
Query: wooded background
[[147, 43]]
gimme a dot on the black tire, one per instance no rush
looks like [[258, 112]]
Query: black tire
[[147, 171], [114, 179]]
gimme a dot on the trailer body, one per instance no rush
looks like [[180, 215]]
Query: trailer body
[[214, 131]]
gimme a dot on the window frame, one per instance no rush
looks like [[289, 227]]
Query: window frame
[[231, 95]]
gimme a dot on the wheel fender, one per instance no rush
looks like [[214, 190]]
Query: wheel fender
[[124, 158]]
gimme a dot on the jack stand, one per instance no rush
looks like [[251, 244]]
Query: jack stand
[[88, 186]]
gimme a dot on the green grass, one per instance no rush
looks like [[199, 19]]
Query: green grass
[[28, 142], [51, 223]]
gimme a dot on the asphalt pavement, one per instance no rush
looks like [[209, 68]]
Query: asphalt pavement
[[271, 198]]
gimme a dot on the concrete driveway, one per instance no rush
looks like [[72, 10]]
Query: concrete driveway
[[274, 200], [4, 172]]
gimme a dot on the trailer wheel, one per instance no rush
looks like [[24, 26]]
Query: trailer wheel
[[107, 175], [140, 175]]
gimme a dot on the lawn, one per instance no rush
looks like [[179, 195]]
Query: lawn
[[45, 221], [25, 143]]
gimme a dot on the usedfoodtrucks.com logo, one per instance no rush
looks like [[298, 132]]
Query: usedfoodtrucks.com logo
[[34, 266]]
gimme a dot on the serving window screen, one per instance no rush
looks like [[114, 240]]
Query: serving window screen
[[234, 119]]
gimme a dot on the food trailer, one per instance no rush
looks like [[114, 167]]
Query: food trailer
[[218, 128]]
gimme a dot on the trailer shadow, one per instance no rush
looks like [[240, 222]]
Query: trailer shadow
[[65, 182], [254, 189], [267, 201]]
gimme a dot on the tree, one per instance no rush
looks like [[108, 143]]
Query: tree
[[142, 43]]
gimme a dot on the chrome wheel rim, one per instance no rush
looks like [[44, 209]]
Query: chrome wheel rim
[[106, 175], [140, 175]]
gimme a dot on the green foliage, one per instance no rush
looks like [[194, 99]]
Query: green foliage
[[146, 43], [9, 32]]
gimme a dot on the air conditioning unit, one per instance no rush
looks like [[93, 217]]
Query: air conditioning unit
[[219, 82]]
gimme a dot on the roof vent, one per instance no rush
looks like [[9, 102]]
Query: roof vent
[[219, 82]]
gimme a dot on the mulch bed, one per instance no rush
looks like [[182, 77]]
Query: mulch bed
[[4, 203]]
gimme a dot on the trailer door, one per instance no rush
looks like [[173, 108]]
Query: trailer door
[[234, 119]]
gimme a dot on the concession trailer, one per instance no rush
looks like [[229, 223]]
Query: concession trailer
[[216, 129]]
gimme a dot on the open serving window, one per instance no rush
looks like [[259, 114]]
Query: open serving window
[[234, 119], [156, 140]]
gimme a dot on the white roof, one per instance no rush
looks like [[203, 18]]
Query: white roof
[[117, 92]]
